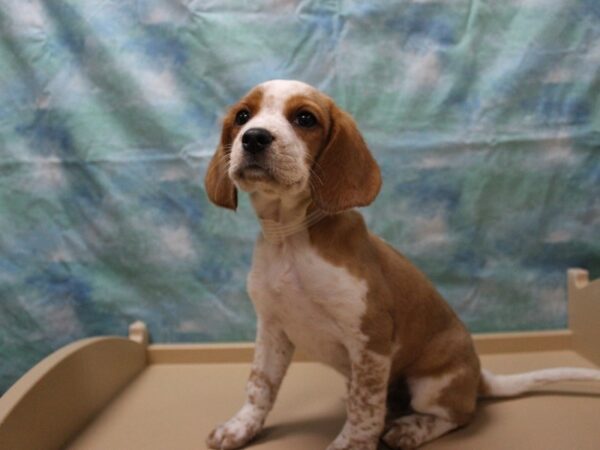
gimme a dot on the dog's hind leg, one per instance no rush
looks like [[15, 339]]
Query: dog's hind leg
[[439, 403]]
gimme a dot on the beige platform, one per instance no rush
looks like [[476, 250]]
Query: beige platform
[[121, 394]]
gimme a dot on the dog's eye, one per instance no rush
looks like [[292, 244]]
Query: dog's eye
[[305, 119], [242, 117]]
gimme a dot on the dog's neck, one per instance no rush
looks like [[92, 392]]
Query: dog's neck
[[283, 217]]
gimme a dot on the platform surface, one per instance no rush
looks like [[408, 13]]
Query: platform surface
[[174, 407]]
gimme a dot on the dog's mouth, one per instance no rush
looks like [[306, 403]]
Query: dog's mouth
[[254, 172], [266, 172]]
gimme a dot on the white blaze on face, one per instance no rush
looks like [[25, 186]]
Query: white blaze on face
[[286, 156]]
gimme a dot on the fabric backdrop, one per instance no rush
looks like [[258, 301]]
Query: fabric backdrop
[[484, 116]]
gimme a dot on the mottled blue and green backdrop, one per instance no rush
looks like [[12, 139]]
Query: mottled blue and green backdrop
[[484, 115]]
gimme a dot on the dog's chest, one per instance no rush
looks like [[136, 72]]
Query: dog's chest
[[318, 304]]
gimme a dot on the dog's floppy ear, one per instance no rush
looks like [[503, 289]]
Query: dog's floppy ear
[[345, 173], [219, 187]]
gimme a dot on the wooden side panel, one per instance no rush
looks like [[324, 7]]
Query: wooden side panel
[[584, 314], [61, 394]]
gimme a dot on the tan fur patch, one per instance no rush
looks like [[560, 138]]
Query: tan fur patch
[[262, 383], [347, 173], [403, 310]]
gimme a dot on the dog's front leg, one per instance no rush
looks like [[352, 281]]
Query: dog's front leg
[[366, 403], [272, 357]]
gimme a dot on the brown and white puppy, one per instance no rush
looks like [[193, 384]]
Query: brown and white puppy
[[320, 282]]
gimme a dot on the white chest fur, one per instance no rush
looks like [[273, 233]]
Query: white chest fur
[[317, 304]]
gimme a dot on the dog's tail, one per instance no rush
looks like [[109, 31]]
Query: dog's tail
[[494, 385]]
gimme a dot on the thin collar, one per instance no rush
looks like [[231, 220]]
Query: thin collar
[[276, 232]]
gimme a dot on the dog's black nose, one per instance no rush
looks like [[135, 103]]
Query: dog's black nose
[[256, 140]]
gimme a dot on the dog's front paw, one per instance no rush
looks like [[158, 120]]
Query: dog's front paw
[[232, 434]]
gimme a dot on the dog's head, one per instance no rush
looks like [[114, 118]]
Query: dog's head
[[286, 137]]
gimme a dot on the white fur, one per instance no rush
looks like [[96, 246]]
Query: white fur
[[425, 392], [319, 305], [515, 384]]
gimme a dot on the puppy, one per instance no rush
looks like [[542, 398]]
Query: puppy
[[320, 282]]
